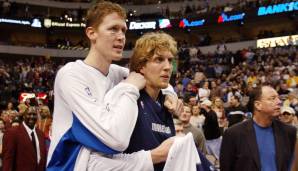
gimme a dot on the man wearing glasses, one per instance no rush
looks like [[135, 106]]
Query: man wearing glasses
[[262, 143]]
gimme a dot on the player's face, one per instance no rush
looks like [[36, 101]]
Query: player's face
[[158, 70], [109, 37]]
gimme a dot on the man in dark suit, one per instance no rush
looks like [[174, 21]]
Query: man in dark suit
[[24, 146], [262, 143]]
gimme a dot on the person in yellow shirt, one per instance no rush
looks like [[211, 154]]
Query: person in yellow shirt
[[292, 81], [251, 79]]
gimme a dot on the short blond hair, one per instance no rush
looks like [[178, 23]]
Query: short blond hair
[[22, 108], [101, 9], [45, 109], [148, 45]]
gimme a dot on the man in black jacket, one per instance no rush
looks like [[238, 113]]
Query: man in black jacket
[[211, 129], [262, 143]]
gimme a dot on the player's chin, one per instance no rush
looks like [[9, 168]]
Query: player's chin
[[164, 85], [117, 57]]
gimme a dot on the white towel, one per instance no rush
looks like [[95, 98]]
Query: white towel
[[183, 155]]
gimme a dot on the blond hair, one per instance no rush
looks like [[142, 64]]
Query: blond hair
[[148, 45], [101, 9], [46, 110], [22, 108]]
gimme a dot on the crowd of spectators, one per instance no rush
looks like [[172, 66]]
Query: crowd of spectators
[[224, 80], [225, 74], [206, 7], [215, 87], [12, 9], [188, 8]]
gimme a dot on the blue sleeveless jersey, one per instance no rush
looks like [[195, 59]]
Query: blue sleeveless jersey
[[154, 125]]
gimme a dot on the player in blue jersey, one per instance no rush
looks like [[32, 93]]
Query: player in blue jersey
[[95, 111], [152, 56]]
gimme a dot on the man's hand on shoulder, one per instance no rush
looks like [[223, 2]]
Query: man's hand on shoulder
[[136, 79], [174, 105]]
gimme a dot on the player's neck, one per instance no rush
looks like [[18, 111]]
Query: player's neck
[[153, 92], [94, 60]]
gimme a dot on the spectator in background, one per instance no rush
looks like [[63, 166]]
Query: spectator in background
[[192, 101], [211, 129], [197, 119], [252, 78], [234, 90], [292, 101], [178, 128], [204, 91], [261, 143], [22, 108], [283, 89], [292, 81], [16, 122], [45, 120], [9, 113], [24, 146], [215, 90], [218, 108], [199, 77], [235, 112], [6, 7], [189, 89], [197, 133], [179, 89], [288, 116], [2, 130]]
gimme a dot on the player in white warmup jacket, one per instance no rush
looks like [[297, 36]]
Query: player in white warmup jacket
[[94, 112]]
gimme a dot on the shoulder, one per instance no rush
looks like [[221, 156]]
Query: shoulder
[[117, 73], [68, 67], [67, 70], [74, 74], [288, 128], [115, 67], [196, 130], [239, 128], [13, 130], [118, 70]]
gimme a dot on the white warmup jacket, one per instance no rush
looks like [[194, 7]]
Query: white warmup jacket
[[88, 119]]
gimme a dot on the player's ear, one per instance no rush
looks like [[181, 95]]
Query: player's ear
[[142, 71], [90, 33]]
